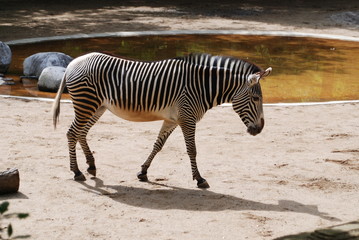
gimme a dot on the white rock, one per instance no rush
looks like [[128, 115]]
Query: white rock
[[50, 79]]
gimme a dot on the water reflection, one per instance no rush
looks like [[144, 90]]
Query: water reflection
[[304, 69]]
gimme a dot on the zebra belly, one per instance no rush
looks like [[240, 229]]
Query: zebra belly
[[168, 114]]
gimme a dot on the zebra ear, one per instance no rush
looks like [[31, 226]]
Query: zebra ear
[[254, 78], [266, 72]]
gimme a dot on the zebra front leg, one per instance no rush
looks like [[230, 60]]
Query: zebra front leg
[[166, 130], [189, 129]]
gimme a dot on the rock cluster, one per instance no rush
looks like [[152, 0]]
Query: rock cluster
[[48, 68]]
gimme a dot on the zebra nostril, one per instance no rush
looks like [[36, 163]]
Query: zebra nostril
[[255, 129]]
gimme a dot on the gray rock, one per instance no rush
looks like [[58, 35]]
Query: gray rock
[[34, 64], [5, 57], [346, 18], [50, 79]]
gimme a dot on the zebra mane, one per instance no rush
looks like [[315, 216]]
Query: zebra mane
[[208, 60], [201, 59]]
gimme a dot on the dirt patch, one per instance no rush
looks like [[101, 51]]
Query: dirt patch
[[326, 184]]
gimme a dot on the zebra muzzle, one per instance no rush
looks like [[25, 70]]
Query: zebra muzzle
[[255, 129]]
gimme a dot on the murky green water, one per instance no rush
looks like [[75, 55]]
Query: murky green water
[[304, 69]]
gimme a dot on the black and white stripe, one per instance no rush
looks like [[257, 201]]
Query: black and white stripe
[[178, 91]]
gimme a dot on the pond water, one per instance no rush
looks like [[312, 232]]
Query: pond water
[[304, 69]]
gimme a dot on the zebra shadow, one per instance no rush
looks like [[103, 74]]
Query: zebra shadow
[[165, 197]]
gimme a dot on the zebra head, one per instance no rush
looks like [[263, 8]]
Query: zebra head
[[248, 102]]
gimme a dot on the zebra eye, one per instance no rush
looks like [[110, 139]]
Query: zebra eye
[[255, 98]]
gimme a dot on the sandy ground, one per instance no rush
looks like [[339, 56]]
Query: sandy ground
[[299, 174]]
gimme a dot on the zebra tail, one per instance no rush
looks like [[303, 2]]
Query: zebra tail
[[56, 105]]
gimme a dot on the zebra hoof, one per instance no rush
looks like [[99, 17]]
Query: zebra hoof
[[79, 177], [202, 183], [142, 177], [92, 171]]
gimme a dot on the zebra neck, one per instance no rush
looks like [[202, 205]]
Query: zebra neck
[[218, 85]]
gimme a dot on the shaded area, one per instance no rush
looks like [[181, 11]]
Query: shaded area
[[38, 17], [169, 197], [10, 196]]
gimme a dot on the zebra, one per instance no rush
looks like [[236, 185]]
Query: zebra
[[177, 91]]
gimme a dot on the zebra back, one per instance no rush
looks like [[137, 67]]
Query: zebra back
[[152, 86]]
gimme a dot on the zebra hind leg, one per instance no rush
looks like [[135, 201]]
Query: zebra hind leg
[[84, 119], [166, 130], [72, 141], [90, 160]]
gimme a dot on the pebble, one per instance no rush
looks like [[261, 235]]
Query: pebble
[[6, 81]]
